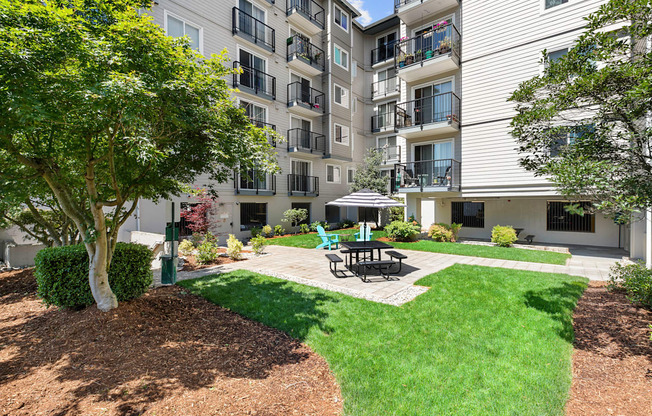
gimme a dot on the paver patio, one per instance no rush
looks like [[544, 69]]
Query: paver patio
[[311, 267]]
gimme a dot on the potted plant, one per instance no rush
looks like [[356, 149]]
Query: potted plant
[[409, 59], [445, 45], [429, 54], [317, 56], [401, 60]]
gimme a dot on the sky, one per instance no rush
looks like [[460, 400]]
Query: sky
[[372, 10]]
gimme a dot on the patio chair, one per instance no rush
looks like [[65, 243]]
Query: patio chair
[[327, 240], [364, 234]]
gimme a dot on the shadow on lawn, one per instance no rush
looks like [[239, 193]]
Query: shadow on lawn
[[139, 353], [558, 302]]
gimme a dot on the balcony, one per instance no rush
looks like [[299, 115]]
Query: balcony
[[391, 154], [304, 56], [252, 81], [261, 125], [306, 14], [253, 30], [251, 183], [382, 54], [429, 54], [304, 100], [302, 185], [413, 11], [306, 141], [386, 88], [429, 115], [441, 175], [383, 122]]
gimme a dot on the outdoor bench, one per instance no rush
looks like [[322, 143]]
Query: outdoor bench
[[396, 255], [379, 264], [333, 260]]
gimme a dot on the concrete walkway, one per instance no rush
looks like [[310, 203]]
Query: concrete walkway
[[311, 267]]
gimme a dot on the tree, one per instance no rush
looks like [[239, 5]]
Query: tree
[[583, 121], [198, 215], [295, 216], [368, 175], [105, 109]]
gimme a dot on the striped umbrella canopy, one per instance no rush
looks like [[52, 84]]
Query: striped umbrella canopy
[[365, 198]]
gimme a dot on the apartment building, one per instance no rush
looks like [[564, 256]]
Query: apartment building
[[427, 86]]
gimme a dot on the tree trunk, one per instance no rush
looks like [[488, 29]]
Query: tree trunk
[[98, 276]]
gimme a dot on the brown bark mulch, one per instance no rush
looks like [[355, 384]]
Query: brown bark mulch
[[612, 361], [167, 353], [190, 262]]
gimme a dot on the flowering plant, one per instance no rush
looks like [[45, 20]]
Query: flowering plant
[[403, 38], [442, 23]]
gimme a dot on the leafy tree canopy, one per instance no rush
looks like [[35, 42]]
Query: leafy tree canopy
[[368, 175], [583, 121]]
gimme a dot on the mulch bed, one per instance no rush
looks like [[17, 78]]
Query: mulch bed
[[612, 361], [190, 263], [167, 353]]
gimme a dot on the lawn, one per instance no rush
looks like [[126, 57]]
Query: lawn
[[480, 341], [492, 252]]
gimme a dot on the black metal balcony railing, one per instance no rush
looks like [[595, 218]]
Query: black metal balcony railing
[[307, 96], [262, 124], [306, 140], [442, 39], [253, 29], [309, 9], [382, 53], [256, 81], [442, 173], [301, 48], [303, 184], [252, 182], [385, 87], [390, 154], [383, 121], [434, 109]]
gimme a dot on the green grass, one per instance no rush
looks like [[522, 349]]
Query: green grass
[[491, 252], [481, 341]]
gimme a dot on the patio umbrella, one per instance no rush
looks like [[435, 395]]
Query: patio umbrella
[[365, 198]]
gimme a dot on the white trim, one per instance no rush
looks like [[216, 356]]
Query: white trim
[[299, 118], [432, 83], [185, 21], [254, 3], [346, 96], [299, 74], [431, 23], [543, 10], [256, 103], [334, 166], [296, 159], [348, 18], [348, 57], [239, 47], [348, 135]]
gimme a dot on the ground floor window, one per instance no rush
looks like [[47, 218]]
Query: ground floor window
[[469, 214], [252, 215], [302, 205], [559, 219], [332, 214]]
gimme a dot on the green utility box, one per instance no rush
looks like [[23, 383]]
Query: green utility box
[[168, 270]]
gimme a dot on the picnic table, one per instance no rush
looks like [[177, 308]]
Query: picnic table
[[367, 248]]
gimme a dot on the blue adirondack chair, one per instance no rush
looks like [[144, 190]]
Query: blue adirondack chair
[[327, 239], [364, 234]]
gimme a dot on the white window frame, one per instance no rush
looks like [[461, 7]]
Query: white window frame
[[346, 139], [239, 47], [335, 180], [348, 170], [450, 18], [544, 62], [344, 95], [256, 103], [296, 159], [447, 140], [543, 10], [336, 46], [343, 13], [185, 21], [434, 82]]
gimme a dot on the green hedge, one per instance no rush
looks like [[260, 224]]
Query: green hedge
[[62, 274]]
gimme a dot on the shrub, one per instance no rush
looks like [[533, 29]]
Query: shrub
[[504, 236], [62, 274], [439, 232], [258, 244], [413, 221], [206, 252], [196, 239], [635, 280], [267, 230], [346, 224], [304, 228], [256, 231], [279, 230], [402, 231], [186, 247], [211, 238], [234, 247]]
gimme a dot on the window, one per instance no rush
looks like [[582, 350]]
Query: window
[[332, 214], [333, 174], [553, 3], [386, 47], [302, 205], [341, 96], [253, 71], [556, 55], [341, 134], [568, 136], [341, 19], [469, 214], [257, 114], [252, 215], [253, 180], [341, 57], [177, 28], [350, 175], [559, 219]]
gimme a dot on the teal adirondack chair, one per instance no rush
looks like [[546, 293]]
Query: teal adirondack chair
[[364, 234], [327, 239]]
